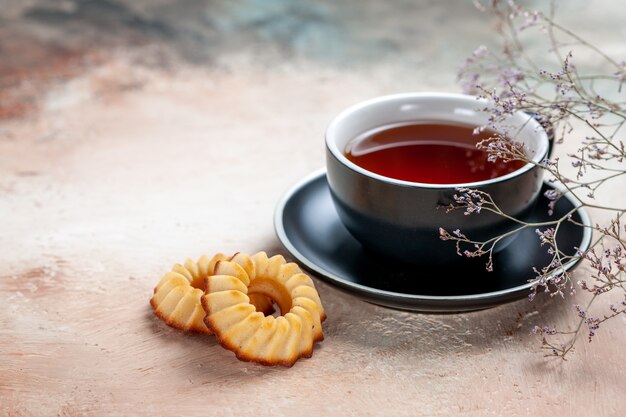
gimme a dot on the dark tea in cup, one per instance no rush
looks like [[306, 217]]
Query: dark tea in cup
[[428, 152]]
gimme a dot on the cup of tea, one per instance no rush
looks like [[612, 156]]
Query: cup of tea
[[394, 161]]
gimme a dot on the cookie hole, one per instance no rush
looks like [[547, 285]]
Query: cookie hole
[[269, 297]]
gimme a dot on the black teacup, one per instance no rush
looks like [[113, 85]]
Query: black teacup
[[400, 219]]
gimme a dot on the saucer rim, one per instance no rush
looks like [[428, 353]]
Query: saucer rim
[[396, 297]]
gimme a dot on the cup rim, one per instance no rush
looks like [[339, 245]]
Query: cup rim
[[539, 156]]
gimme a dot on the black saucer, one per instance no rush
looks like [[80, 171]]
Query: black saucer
[[308, 226]]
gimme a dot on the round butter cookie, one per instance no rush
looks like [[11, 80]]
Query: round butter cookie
[[235, 319]]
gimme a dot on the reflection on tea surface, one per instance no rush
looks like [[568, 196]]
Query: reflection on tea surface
[[427, 153]]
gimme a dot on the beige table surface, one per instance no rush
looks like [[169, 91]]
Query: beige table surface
[[135, 135]]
